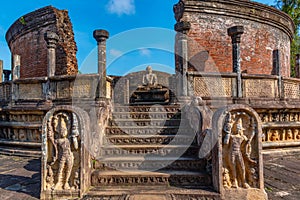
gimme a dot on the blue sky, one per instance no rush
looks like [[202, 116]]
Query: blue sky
[[141, 31]]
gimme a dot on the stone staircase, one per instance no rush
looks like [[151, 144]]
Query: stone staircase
[[149, 146]]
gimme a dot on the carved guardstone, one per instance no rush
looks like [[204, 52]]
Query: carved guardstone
[[63, 160], [237, 161]]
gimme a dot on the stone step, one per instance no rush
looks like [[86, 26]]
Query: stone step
[[148, 122], [147, 108], [16, 151], [153, 192], [146, 115], [20, 148], [153, 130], [149, 150], [145, 178], [150, 163], [149, 139]]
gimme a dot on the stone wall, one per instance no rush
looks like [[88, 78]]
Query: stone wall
[[26, 38], [266, 29]]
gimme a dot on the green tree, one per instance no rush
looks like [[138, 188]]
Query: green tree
[[292, 8]]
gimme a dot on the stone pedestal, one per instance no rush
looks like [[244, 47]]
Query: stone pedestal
[[150, 95]]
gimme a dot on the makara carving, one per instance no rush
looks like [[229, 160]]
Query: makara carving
[[63, 158], [240, 163]]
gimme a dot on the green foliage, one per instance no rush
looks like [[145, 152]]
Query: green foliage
[[292, 8], [22, 21]]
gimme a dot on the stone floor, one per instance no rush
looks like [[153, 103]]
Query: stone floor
[[20, 177]]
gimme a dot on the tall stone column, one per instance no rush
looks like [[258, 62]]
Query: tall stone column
[[182, 29], [51, 38], [101, 36], [235, 33]]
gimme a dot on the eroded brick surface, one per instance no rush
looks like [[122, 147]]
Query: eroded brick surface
[[26, 38]]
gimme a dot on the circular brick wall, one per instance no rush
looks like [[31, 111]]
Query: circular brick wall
[[266, 29], [25, 37]]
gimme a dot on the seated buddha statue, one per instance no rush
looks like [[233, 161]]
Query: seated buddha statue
[[150, 80]]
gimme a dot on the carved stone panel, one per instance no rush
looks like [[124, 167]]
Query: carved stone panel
[[30, 91], [63, 139], [84, 88], [64, 159], [210, 86], [291, 89], [260, 88], [240, 157], [237, 159], [63, 89]]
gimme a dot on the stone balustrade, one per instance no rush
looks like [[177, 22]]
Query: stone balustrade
[[61, 88], [207, 85]]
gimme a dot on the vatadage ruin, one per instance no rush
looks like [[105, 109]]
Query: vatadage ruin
[[200, 133]]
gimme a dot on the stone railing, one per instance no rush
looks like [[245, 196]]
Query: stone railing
[[260, 86], [28, 89], [224, 85], [208, 84], [56, 88], [291, 88]]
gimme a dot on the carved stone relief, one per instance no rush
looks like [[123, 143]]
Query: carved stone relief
[[240, 163], [20, 134], [281, 134], [268, 117], [63, 156]]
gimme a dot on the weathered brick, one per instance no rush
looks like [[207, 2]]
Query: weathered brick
[[266, 29], [26, 38]]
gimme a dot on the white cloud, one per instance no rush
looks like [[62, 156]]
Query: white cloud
[[121, 7], [115, 52], [145, 52]]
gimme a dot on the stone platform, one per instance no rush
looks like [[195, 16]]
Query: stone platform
[[20, 178]]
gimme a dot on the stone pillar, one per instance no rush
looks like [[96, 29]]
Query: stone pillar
[[277, 69], [6, 74], [276, 62], [182, 84], [235, 33], [101, 36], [16, 63], [297, 66], [51, 38], [1, 71]]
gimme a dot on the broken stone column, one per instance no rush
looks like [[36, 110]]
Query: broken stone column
[[1, 71], [182, 86], [51, 38], [16, 63], [235, 33], [101, 36]]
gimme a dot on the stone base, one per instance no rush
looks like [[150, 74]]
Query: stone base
[[60, 194], [150, 95], [245, 194], [151, 193]]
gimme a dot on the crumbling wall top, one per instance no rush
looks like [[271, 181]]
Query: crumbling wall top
[[25, 37]]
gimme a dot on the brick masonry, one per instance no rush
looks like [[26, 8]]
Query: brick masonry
[[266, 30], [26, 38]]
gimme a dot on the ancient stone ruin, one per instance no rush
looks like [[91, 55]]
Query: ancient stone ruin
[[197, 134]]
